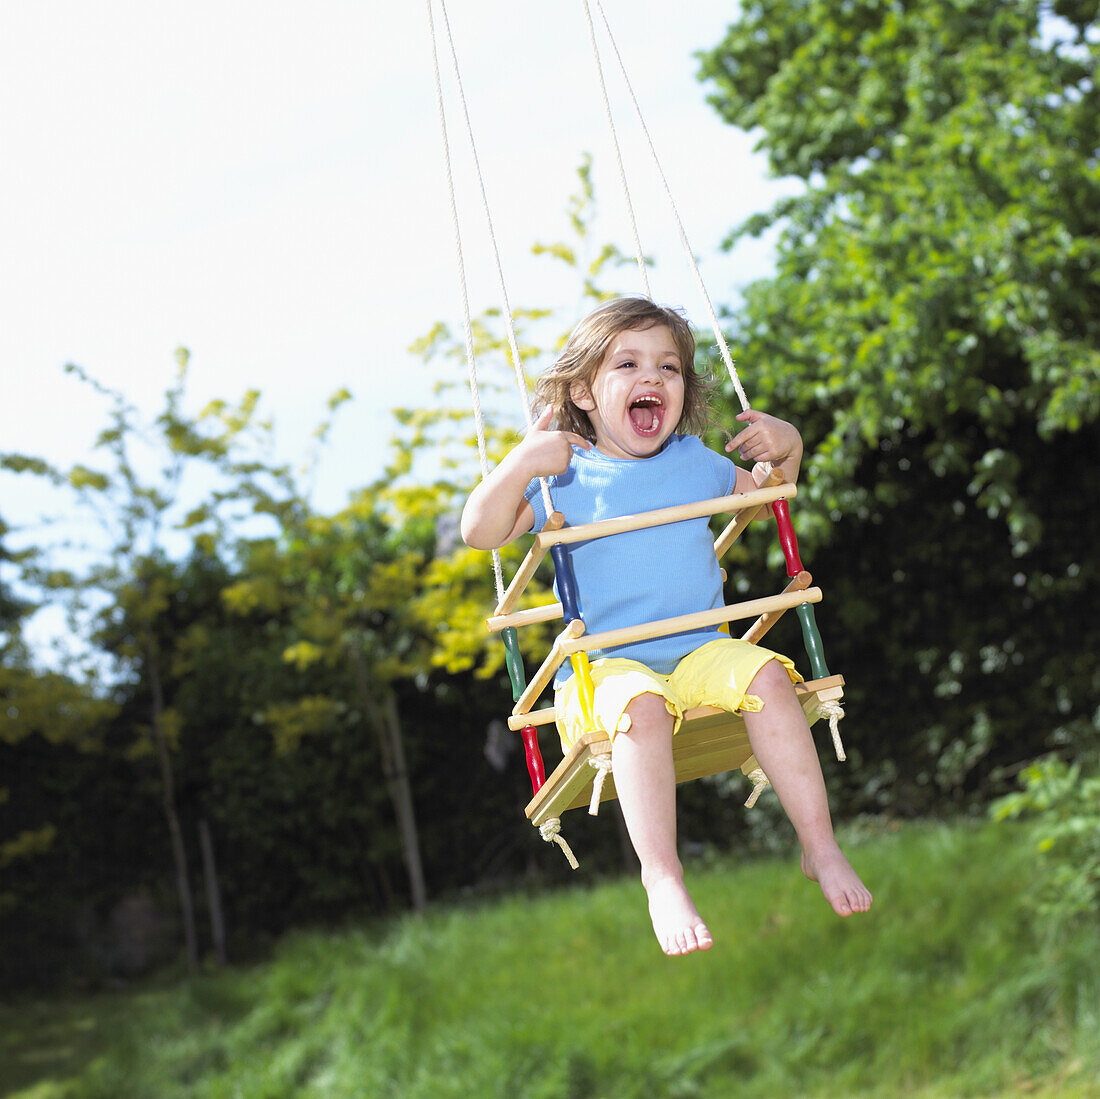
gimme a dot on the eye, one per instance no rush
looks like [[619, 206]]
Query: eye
[[626, 363], [671, 366]]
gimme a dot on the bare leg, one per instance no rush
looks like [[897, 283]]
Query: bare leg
[[646, 784], [784, 747]]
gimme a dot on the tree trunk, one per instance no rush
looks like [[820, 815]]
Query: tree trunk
[[213, 892], [401, 793], [168, 794], [386, 721]]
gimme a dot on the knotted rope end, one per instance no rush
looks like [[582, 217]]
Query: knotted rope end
[[550, 830], [759, 784], [833, 710]]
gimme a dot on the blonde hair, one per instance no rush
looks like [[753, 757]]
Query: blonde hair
[[586, 347]]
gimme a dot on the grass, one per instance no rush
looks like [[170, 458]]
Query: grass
[[946, 989]]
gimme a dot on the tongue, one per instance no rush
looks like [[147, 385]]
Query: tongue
[[643, 418]]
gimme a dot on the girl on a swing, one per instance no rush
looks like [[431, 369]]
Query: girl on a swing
[[607, 442]]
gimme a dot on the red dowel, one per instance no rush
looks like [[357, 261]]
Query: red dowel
[[787, 539], [534, 757]]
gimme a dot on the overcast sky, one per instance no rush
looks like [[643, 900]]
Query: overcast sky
[[263, 183]]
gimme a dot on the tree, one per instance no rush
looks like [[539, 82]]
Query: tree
[[932, 325], [141, 506]]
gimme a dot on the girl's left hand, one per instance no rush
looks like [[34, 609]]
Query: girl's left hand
[[765, 438]]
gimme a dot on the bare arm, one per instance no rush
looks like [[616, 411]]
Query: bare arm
[[496, 512]]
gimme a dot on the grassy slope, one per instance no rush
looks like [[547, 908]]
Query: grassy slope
[[942, 991]]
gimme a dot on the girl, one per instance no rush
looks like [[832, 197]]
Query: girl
[[607, 442]]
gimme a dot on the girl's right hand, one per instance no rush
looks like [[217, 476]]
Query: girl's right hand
[[547, 452]]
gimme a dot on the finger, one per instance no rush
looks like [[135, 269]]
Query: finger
[[578, 440], [543, 422], [750, 415], [739, 439]]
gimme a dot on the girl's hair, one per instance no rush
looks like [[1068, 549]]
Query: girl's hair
[[586, 347]]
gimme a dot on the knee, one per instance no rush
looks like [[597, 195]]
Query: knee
[[771, 682], [649, 712]]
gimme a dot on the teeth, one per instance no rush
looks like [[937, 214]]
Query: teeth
[[649, 398]]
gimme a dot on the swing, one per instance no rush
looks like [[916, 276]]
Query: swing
[[710, 741]]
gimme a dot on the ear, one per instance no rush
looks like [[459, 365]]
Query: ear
[[581, 396]]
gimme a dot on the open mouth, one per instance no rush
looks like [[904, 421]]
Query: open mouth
[[646, 414]]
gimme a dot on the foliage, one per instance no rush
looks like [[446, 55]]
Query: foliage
[[1063, 805], [943, 991], [932, 327]]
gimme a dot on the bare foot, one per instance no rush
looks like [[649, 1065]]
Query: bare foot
[[839, 882], [676, 921]]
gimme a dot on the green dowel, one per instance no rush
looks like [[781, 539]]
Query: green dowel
[[812, 640], [514, 661]]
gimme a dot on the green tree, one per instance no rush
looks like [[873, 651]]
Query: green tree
[[932, 325], [120, 588]]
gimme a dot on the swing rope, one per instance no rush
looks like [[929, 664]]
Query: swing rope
[[719, 337], [550, 828], [506, 308], [638, 253]]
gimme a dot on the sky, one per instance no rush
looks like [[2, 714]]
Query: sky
[[263, 183]]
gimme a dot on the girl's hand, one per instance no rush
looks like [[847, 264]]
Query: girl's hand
[[545, 452], [765, 438]]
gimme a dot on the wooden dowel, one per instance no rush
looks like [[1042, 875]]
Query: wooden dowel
[[685, 622], [738, 501], [743, 519], [765, 622], [529, 617], [527, 568], [550, 665], [546, 716]]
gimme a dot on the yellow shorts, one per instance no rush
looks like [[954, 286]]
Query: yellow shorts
[[716, 674]]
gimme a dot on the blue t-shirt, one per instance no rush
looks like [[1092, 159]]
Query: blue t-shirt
[[642, 575]]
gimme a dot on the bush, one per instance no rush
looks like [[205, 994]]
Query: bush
[[1064, 810]]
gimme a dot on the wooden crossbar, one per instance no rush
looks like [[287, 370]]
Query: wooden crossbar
[[743, 518], [546, 613], [765, 622], [737, 501], [684, 622], [527, 568]]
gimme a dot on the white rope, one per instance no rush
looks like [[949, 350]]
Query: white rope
[[550, 830], [638, 254], [471, 365], [833, 710], [602, 767], [719, 337], [513, 344]]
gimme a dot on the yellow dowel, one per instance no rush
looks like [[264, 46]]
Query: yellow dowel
[[549, 666], [585, 689]]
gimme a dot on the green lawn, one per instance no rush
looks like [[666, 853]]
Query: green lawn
[[949, 988]]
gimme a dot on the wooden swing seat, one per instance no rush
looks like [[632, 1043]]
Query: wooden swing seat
[[709, 742]]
